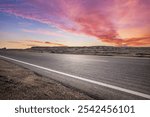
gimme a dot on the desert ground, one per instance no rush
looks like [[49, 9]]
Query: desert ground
[[96, 50], [20, 83]]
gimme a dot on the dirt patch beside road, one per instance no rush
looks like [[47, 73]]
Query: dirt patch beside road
[[20, 83]]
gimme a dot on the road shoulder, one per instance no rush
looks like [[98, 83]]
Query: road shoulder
[[20, 83]]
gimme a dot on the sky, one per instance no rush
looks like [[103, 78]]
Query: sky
[[27, 23]]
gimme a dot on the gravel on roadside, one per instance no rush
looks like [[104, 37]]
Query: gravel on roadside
[[17, 83]]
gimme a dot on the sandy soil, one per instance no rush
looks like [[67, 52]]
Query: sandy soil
[[20, 83]]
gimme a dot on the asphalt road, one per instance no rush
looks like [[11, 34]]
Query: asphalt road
[[100, 77]]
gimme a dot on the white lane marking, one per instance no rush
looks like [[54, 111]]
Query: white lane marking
[[84, 79]]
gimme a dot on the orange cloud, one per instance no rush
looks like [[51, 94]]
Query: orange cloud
[[142, 41], [27, 43], [145, 41], [45, 43], [34, 41]]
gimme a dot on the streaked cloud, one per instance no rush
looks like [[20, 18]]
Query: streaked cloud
[[44, 43], [143, 41], [102, 19], [27, 44]]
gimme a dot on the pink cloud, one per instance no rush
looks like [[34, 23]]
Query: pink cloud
[[99, 18], [132, 13]]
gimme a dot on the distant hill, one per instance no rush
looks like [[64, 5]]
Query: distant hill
[[97, 50]]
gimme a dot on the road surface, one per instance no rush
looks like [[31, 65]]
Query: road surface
[[99, 77]]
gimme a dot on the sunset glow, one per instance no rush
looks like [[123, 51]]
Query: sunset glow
[[27, 23]]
